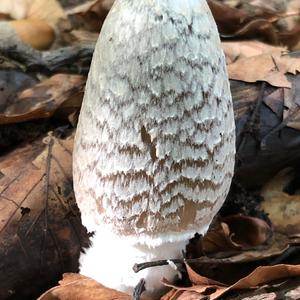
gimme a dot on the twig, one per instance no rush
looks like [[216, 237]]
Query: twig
[[138, 290]]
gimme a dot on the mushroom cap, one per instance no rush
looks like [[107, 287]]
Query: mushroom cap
[[155, 143]]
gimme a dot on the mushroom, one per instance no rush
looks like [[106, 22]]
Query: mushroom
[[155, 142]]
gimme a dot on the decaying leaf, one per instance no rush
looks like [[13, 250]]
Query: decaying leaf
[[275, 22], [283, 209], [49, 11], [41, 234], [205, 288], [11, 83], [218, 238], [233, 233], [267, 129], [272, 69], [89, 16], [248, 232], [61, 91], [242, 49], [79, 287], [37, 33], [227, 18]]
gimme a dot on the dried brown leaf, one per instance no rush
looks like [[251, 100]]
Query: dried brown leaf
[[248, 232], [272, 69], [41, 234], [46, 10], [260, 276], [275, 22], [283, 209], [49, 11], [89, 16], [37, 33], [11, 83], [79, 287], [291, 38], [242, 49], [44, 99], [236, 232], [228, 19], [275, 246], [217, 239]]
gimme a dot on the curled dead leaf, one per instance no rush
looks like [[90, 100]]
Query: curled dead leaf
[[79, 287], [275, 22], [217, 239], [212, 290], [89, 16], [237, 232], [248, 232]]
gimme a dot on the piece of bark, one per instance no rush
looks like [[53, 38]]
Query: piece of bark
[[41, 234], [71, 60]]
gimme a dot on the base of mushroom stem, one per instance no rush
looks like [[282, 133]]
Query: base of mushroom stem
[[110, 261]]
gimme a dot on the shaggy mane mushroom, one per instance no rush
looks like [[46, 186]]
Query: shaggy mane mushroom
[[155, 143]]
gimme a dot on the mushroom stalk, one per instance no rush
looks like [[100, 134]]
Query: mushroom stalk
[[155, 143]]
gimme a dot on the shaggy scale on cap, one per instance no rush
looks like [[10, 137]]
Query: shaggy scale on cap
[[155, 143]]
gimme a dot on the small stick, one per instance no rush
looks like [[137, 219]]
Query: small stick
[[204, 259], [138, 290], [139, 267]]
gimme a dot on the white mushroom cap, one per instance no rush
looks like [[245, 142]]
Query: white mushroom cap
[[154, 149]]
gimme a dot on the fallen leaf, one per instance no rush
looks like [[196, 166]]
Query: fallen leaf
[[291, 38], [44, 99], [233, 233], [214, 290], [227, 18], [41, 234], [49, 11], [272, 69], [89, 16], [283, 209], [275, 22], [274, 5], [243, 49], [11, 83], [79, 287], [218, 238], [37, 33], [276, 245], [248, 232]]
